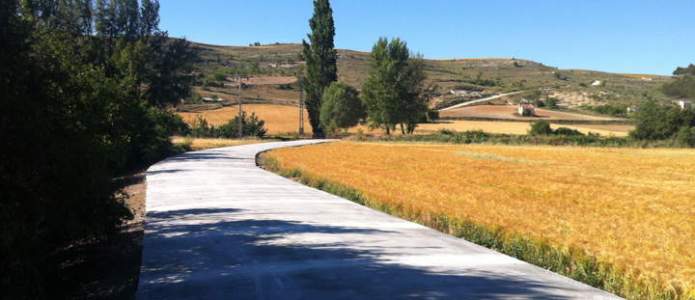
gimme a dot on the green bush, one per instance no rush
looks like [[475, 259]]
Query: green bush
[[540, 128], [252, 127], [341, 107], [551, 102], [686, 136], [201, 128], [615, 110], [567, 131]]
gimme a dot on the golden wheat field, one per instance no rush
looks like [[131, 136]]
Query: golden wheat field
[[519, 128], [279, 119], [209, 143], [633, 208]]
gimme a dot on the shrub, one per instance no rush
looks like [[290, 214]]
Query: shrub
[[567, 131], [686, 136], [540, 128], [251, 126], [616, 110], [201, 128], [551, 102]]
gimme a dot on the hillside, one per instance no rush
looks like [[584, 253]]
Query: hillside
[[470, 77]]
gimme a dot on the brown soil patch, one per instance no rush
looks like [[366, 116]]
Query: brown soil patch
[[265, 80]]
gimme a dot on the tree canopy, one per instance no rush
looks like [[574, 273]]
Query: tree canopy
[[83, 83], [655, 121], [341, 107], [394, 92]]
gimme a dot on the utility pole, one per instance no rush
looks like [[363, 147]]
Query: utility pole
[[301, 106], [241, 114]]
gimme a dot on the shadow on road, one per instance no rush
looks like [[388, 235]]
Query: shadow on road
[[189, 251]]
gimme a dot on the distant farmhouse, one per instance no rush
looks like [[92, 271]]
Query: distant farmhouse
[[526, 109], [685, 104]]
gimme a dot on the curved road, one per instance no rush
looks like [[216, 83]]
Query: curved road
[[218, 227]]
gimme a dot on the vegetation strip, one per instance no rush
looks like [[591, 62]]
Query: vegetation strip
[[553, 139], [572, 262]]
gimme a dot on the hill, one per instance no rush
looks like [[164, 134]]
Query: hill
[[454, 80]]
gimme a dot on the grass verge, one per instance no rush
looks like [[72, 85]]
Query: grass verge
[[571, 262]]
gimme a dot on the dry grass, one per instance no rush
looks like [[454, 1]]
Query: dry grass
[[210, 143], [632, 208], [279, 119]]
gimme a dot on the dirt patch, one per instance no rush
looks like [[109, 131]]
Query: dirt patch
[[575, 99], [264, 80]]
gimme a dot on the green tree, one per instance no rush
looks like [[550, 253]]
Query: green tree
[[321, 61], [341, 107], [682, 87], [659, 122], [394, 92], [149, 14], [689, 70], [87, 99], [61, 191]]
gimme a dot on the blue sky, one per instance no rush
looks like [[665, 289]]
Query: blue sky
[[627, 36]]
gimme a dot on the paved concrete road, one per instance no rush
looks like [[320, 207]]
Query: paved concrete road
[[218, 227]]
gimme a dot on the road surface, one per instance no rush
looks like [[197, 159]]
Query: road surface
[[218, 227], [483, 100]]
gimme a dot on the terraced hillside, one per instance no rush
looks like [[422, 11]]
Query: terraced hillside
[[470, 77]]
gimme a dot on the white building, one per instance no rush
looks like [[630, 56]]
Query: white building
[[526, 110], [685, 104]]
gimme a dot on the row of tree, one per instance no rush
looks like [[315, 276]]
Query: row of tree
[[85, 85], [658, 121], [393, 95]]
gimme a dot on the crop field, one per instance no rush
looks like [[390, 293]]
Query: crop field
[[279, 119], [628, 208], [209, 143], [519, 128], [508, 112]]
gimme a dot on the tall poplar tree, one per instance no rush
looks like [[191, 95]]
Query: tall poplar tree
[[321, 61]]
